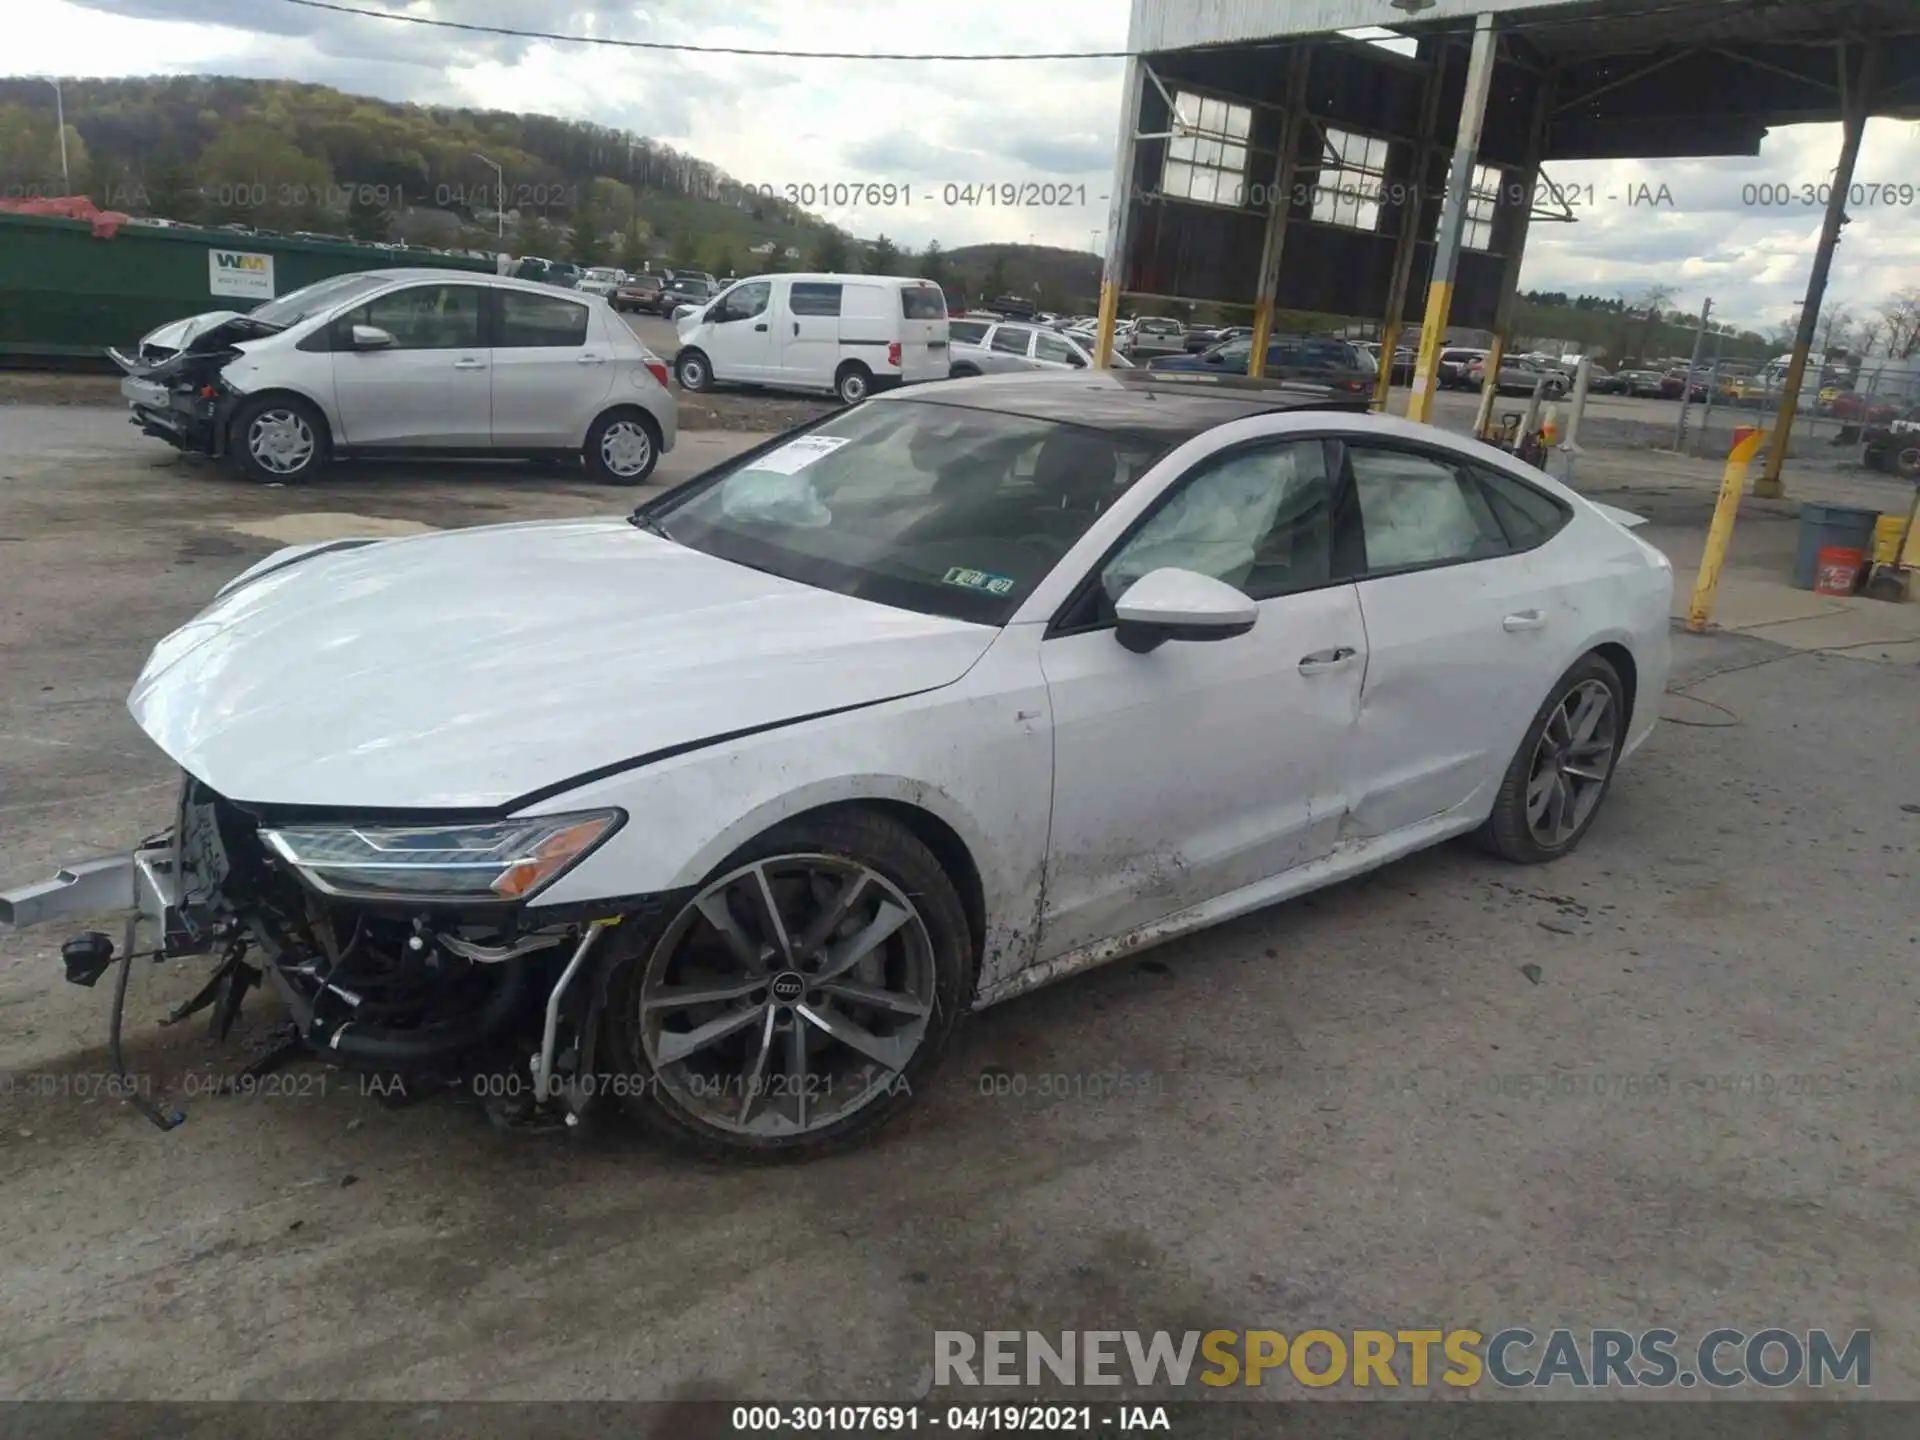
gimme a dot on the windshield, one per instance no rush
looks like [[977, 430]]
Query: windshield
[[928, 507], [298, 305]]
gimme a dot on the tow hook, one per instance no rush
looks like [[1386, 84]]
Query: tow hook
[[87, 957]]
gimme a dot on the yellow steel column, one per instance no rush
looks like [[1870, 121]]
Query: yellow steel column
[[1856, 105], [1453, 219], [1280, 203], [1720, 532], [1113, 273], [1490, 385], [1413, 207]]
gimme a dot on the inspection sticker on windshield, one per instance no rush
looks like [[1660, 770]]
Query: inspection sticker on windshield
[[796, 455], [980, 580]]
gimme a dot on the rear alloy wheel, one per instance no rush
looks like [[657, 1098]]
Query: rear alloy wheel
[[278, 440], [853, 384], [798, 1000], [621, 449], [1906, 462], [1553, 787]]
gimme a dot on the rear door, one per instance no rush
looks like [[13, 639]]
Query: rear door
[[923, 333], [1467, 617], [1012, 346], [551, 369], [430, 387], [1050, 352], [809, 334]]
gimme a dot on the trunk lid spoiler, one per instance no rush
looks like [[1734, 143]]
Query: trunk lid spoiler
[[1625, 519]]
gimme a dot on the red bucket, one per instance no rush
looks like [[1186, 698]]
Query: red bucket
[[1837, 569]]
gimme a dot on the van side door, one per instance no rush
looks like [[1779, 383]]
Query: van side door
[[809, 338]]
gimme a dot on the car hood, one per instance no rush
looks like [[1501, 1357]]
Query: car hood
[[466, 669]]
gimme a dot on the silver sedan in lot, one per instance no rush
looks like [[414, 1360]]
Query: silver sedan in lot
[[407, 362], [988, 347]]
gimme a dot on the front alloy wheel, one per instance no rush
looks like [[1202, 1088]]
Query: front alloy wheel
[[800, 996]]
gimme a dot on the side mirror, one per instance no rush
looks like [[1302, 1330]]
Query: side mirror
[[1173, 604], [1076, 362], [371, 337]]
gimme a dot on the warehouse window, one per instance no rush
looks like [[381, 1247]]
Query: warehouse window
[[1482, 196], [1352, 170], [1207, 157]]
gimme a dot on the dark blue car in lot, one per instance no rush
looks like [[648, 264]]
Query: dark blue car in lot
[[1328, 361]]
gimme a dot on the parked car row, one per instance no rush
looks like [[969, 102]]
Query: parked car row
[[1340, 364]]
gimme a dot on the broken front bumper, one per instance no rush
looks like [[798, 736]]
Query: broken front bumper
[[183, 417], [140, 885]]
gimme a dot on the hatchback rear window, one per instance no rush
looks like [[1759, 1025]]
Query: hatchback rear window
[[922, 302]]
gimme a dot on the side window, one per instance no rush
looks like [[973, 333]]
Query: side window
[[743, 302], [1052, 347], [966, 332], [1419, 510], [528, 321], [812, 298], [1528, 516], [1012, 339], [1256, 519], [422, 317]]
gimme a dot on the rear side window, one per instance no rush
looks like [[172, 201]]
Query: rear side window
[[813, 298], [967, 332], [1528, 516], [528, 321], [1419, 510], [922, 302], [1012, 339]]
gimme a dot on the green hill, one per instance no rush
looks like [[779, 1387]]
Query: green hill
[[284, 156]]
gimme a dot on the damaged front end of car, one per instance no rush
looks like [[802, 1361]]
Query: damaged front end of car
[[174, 385], [399, 947]]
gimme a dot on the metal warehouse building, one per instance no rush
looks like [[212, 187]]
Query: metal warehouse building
[[1383, 157]]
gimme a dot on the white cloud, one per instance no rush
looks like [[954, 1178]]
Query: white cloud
[[824, 123]]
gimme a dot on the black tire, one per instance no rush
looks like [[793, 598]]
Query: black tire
[[1906, 462], [866, 838], [1506, 832], [963, 372], [249, 449], [694, 371], [615, 441], [853, 383]]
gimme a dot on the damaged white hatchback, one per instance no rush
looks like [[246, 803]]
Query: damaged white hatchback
[[731, 809]]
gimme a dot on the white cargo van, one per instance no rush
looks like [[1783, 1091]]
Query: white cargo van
[[849, 334]]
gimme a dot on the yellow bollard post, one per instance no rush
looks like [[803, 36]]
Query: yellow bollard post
[[1732, 484]]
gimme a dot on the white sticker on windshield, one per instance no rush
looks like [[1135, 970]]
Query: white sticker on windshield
[[797, 454]]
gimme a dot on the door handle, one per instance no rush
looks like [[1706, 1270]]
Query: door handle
[[1326, 659], [1525, 620], [587, 360], [469, 364], [796, 327], [761, 326]]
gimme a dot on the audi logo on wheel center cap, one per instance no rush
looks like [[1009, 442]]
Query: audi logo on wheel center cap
[[788, 986]]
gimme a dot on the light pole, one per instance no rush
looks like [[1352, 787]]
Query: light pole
[[60, 121], [499, 196]]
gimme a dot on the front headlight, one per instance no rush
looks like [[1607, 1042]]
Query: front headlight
[[504, 860]]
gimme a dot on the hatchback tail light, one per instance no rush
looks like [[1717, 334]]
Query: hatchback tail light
[[893, 354], [658, 369]]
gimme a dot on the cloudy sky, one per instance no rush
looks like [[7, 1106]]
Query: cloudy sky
[[783, 121]]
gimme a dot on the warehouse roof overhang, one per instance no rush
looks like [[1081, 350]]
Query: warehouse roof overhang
[[1587, 80]]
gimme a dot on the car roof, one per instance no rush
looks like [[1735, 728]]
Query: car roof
[[1168, 405], [468, 277]]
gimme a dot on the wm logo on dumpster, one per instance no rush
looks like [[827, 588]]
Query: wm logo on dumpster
[[227, 260]]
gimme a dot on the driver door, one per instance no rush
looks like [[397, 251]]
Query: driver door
[[1202, 767], [741, 341]]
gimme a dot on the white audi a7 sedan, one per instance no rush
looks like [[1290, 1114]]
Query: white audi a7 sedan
[[731, 809]]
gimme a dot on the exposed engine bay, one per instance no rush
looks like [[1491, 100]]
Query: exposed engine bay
[[177, 394], [424, 996]]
